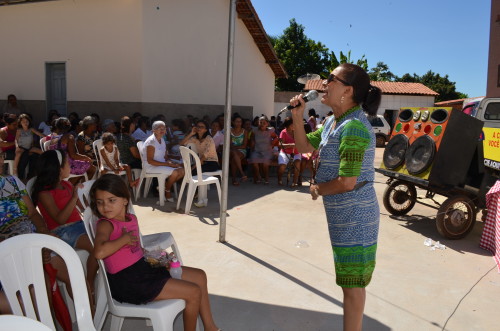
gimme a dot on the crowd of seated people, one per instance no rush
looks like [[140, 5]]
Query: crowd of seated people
[[65, 150], [253, 148]]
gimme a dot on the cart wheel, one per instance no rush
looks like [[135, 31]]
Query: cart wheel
[[399, 197], [456, 217]]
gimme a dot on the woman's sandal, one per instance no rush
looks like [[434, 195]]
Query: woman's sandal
[[244, 179], [235, 182]]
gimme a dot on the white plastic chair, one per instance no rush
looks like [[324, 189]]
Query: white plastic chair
[[10, 166], [200, 180], [146, 177], [22, 268], [14, 322], [161, 313], [83, 255]]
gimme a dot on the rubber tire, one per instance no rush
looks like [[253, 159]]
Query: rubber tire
[[379, 140], [391, 205], [442, 218]]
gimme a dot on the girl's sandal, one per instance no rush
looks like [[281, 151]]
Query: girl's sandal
[[235, 182], [168, 196], [244, 179]]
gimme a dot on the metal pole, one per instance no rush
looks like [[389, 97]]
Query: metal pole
[[227, 121]]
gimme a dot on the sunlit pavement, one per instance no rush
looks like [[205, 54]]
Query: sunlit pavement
[[275, 272]]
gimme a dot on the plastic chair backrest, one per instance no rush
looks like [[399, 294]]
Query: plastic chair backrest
[[140, 147], [187, 157], [96, 145], [84, 193], [14, 322], [22, 272], [29, 185]]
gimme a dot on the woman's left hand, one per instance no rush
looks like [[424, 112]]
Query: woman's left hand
[[313, 190]]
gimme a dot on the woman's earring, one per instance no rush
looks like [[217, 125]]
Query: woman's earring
[[342, 100]]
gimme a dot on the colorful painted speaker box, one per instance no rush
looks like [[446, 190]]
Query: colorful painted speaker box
[[435, 144]]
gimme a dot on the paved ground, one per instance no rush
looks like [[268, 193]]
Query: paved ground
[[276, 271]]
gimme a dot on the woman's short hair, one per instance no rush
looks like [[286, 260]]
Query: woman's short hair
[[364, 94], [61, 124], [312, 112], [125, 124], [88, 121], [287, 123], [157, 124]]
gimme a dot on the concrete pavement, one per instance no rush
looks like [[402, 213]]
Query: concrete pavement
[[276, 270]]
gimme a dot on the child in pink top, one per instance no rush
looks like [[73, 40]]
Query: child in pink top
[[57, 199], [131, 278]]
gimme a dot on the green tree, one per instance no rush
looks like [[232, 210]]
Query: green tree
[[437, 83], [381, 72], [299, 55], [335, 61]]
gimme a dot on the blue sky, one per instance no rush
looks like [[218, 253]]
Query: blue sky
[[411, 36]]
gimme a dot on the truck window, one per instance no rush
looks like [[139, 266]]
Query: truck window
[[492, 111]]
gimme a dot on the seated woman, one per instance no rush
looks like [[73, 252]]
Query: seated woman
[[288, 151], [57, 199], [157, 159], [262, 144], [85, 139], [63, 140], [129, 154], [239, 140], [205, 148]]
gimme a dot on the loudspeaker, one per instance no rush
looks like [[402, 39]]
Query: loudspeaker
[[435, 144]]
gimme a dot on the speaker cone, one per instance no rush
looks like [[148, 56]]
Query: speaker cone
[[439, 116], [394, 153], [405, 115], [420, 155]]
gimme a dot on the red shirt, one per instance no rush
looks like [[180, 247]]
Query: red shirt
[[10, 138], [286, 138], [61, 198]]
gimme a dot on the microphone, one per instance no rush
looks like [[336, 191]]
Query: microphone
[[310, 96]]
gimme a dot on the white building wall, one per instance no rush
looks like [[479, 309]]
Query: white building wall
[[394, 102], [185, 56], [165, 51], [96, 39]]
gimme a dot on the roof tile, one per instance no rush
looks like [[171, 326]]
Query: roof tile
[[386, 87]]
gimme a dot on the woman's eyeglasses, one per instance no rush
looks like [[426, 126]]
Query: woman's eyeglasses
[[200, 127], [332, 77]]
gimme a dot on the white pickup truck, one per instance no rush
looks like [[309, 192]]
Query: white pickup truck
[[488, 111]]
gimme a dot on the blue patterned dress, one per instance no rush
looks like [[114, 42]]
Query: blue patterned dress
[[347, 148]]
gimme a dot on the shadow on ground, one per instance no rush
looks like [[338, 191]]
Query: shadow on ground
[[426, 226], [233, 314]]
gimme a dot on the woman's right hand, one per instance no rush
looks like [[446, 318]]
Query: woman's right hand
[[75, 190], [299, 104]]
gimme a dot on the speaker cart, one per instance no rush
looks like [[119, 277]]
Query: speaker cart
[[437, 150]]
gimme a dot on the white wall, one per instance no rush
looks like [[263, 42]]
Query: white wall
[[185, 56], [165, 51], [397, 101], [97, 39]]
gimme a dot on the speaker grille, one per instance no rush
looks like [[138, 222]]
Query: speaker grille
[[405, 115], [439, 116], [394, 153], [420, 155]]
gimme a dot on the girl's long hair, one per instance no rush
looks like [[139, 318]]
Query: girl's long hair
[[49, 171], [110, 183]]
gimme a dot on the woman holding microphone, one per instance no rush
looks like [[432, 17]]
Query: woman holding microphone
[[344, 177]]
